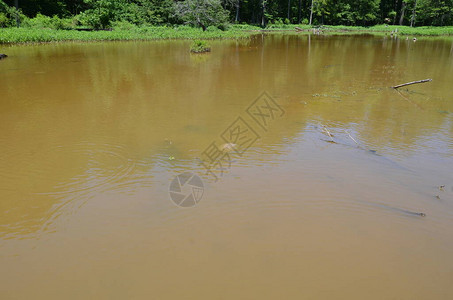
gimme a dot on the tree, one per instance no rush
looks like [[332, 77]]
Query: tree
[[413, 13], [202, 13], [299, 12], [10, 15], [403, 11], [311, 12], [16, 5], [101, 12], [289, 10]]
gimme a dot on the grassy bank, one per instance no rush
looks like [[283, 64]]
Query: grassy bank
[[36, 35], [378, 29]]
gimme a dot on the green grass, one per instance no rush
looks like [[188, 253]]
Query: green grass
[[37, 35], [34, 35], [378, 29]]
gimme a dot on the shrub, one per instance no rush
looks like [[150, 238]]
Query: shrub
[[9, 14], [223, 26], [124, 25], [41, 21], [200, 47], [212, 28], [4, 20]]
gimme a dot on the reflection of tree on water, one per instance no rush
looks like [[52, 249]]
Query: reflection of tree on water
[[137, 96]]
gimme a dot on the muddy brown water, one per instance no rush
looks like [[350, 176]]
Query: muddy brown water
[[91, 136]]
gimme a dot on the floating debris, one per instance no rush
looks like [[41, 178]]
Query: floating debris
[[412, 82], [228, 147], [329, 141], [395, 209]]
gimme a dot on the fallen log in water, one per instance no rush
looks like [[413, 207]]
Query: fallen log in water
[[412, 82], [2, 56]]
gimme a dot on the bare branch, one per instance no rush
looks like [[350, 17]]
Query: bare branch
[[412, 82]]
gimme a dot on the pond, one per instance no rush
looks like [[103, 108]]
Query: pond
[[316, 179]]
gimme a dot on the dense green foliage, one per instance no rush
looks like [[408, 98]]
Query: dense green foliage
[[200, 47], [204, 13]]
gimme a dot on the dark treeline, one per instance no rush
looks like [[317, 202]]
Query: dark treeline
[[203, 13]]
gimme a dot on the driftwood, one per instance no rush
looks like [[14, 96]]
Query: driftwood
[[298, 29], [412, 82]]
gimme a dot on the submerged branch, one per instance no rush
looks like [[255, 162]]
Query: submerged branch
[[352, 138], [409, 100], [327, 131]]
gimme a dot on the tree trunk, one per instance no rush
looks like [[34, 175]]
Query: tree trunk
[[395, 8], [299, 12], [263, 17], [413, 14], [403, 10], [289, 9], [311, 12], [201, 24], [16, 4], [238, 4]]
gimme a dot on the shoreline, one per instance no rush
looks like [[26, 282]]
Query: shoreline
[[14, 36]]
